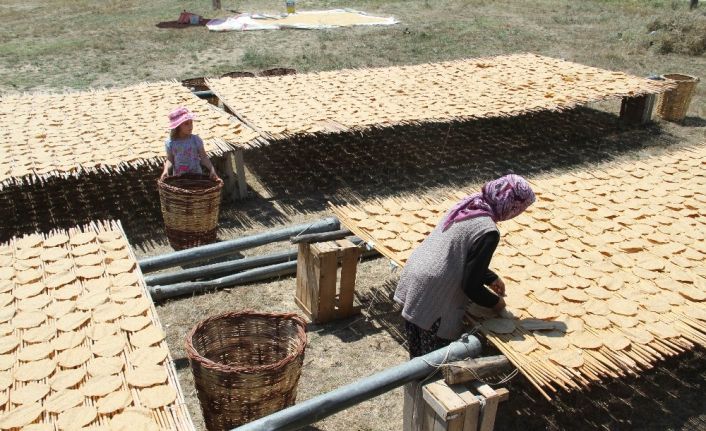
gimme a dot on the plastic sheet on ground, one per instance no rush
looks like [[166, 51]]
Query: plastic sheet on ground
[[306, 20]]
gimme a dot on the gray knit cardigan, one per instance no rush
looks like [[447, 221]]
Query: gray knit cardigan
[[430, 287]]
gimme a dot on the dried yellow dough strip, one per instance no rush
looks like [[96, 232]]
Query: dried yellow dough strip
[[99, 386], [157, 396], [21, 416], [36, 370], [114, 401], [76, 417], [29, 393], [63, 400], [105, 366], [67, 378], [145, 376]]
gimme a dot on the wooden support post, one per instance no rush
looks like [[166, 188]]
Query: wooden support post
[[474, 369], [317, 270], [240, 171], [437, 406]]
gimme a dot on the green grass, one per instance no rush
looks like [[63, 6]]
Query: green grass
[[58, 44]]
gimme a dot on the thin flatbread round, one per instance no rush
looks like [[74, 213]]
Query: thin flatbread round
[[157, 396], [6, 313], [499, 326], [91, 299], [36, 370], [28, 319], [28, 276], [695, 312], [622, 306], [133, 418], [99, 386], [67, 292], [34, 303], [63, 400], [72, 321], [120, 266], [8, 343], [28, 254], [575, 295], [599, 293], [108, 235], [101, 330], [67, 378], [21, 416], [623, 321], [67, 340], [569, 357], [114, 401], [74, 357], [30, 393], [7, 272], [88, 272], [29, 241], [146, 356], [135, 323], [543, 311], [108, 346], [657, 305], [585, 340], [141, 377], [662, 330], [125, 279], [553, 340], [523, 344], [615, 342], [56, 240], [58, 309], [82, 250], [58, 267], [382, 234], [40, 333], [549, 297], [97, 284], [53, 254], [35, 352], [82, 238], [76, 417], [692, 293], [88, 260], [105, 366], [107, 312], [6, 380], [147, 337], [7, 361], [124, 293], [28, 290], [596, 321], [136, 307], [62, 279]]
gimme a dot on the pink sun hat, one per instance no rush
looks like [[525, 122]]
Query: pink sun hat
[[179, 115]]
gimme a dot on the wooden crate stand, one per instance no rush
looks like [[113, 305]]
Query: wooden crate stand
[[317, 275], [437, 406]]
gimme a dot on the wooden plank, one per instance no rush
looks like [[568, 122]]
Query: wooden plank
[[413, 407], [303, 308], [240, 171], [443, 400], [489, 410], [302, 290], [230, 188], [472, 412], [349, 267], [312, 285], [326, 268]]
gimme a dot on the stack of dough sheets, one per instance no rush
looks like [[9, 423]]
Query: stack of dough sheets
[[80, 342], [605, 273], [46, 135], [359, 99]]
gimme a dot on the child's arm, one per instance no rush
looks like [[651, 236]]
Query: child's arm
[[168, 164], [207, 162]]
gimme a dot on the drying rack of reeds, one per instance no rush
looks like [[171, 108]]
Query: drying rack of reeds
[[82, 344], [361, 99], [108, 131], [605, 273]]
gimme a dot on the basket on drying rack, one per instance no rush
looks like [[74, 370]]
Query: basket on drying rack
[[190, 205], [673, 104], [246, 365], [278, 71]]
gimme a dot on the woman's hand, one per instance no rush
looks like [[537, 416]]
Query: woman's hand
[[213, 175], [165, 174], [498, 286]]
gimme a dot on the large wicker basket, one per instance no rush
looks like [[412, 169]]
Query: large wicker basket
[[674, 104], [246, 365], [190, 206]]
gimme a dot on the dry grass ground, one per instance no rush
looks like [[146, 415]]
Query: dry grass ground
[[62, 44]]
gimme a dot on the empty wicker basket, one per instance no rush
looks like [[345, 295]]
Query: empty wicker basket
[[674, 104], [246, 365], [190, 206]]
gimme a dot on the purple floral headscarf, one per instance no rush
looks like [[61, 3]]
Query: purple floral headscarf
[[500, 199]]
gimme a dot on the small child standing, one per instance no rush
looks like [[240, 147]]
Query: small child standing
[[185, 152]]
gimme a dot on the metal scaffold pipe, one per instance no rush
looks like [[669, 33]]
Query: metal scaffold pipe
[[225, 248], [317, 408]]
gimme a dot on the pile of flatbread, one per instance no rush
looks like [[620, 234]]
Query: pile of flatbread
[[80, 343], [59, 134], [605, 273], [499, 86]]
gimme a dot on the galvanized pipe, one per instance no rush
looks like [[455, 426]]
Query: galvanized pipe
[[257, 274], [224, 248], [220, 268], [322, 406]]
